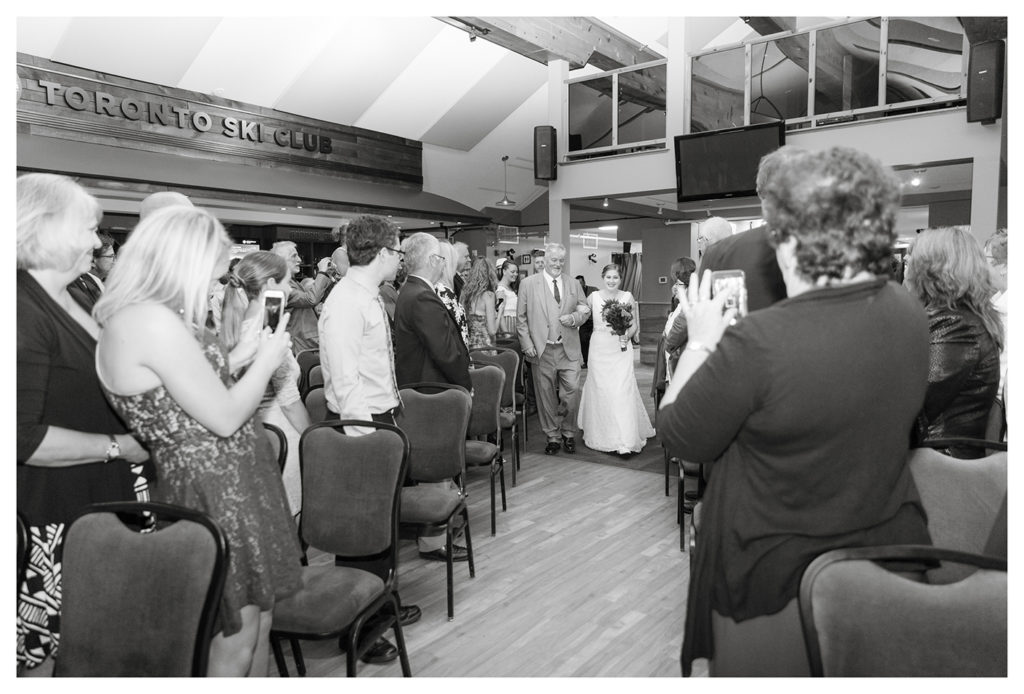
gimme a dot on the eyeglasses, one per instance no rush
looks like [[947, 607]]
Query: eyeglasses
[[439, 257], [398, 251], [111, 256]]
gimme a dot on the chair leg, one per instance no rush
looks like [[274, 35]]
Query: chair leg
[[501, 472], [469, 543], [403, 654], [515, 451], [300, 664], [449, 546], [667, 461], [493, 522], [351, 654], [275, 646]]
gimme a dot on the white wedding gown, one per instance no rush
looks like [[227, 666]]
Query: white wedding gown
[[612, 415]]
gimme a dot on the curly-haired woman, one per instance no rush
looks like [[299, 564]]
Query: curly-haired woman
[[947, 271], [478, 302], [803, 409]]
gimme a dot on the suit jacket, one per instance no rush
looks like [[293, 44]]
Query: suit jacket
[[749, 251], [85, 291], [532, 314], [428, 344]]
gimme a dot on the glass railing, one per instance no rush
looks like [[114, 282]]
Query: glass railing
[[852, 70]]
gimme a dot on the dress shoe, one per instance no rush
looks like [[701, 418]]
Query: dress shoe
[[408, 614], [625, 455], [552, 447], [458, 554], [382, 651], [569, 444]]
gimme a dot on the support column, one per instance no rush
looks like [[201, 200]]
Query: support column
[[558, 208], [985, 192]]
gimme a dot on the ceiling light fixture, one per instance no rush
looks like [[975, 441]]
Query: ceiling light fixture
[[505, 202], [605, 203], [661, 208]]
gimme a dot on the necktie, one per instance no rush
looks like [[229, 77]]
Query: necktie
[[391, 352], [558, 297]]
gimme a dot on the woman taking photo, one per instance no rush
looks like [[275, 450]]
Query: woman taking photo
[[612, 414], [947, 271], [505, 294], [802, 409], [281, 405], [169, 379], [73, 450], [478, 302]]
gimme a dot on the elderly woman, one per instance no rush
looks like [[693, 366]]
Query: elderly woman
[[445, 288], [73, 450], [803, 410], [947, 271]]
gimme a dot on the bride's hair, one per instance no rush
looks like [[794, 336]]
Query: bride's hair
[[611, 266]]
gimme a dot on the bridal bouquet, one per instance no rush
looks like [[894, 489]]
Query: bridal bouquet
[[619, 317]]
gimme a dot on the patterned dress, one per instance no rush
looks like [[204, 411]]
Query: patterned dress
[[478, 335], [235, 480]]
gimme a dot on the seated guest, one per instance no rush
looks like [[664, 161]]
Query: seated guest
[[73, 450], [947, 271], [803, 410], [88, 286], [242, 320]]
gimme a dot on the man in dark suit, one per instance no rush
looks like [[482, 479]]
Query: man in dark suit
[[749, 251], [88, 287], [428, 346]]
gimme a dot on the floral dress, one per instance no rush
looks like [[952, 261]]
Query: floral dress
[[451, 302], [233, 479]]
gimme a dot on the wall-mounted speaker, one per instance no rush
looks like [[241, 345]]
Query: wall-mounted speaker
[[985, 82], [545, 153]]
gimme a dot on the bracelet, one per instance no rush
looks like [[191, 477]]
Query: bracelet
[[695, 346]]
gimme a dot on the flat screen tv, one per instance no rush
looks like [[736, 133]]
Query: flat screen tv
[[723, 163]]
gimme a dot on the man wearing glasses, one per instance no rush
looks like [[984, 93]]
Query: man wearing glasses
[[88, 287]]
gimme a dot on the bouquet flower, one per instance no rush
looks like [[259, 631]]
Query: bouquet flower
[[619, 317]]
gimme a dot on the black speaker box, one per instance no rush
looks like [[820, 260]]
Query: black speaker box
[[544, 153], [985, 82]]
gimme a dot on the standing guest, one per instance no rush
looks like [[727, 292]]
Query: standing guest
[[462, 264], [216, 300], [428, 346], [445, 289], [242, 315], [302, 301], [803, 410], [710, 232], [548, 318], [389, 294], [587, 329], [478, 302], [995, 254], [506, 297], [356, 349], [73, 450], [538, 260], [170, 380], [161, 199], [612, 414], [675, 335], [88, 286], [947, 271]]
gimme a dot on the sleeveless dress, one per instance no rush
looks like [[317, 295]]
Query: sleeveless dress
[[233, 479], [507, 319], [612, 414], [478, 335]]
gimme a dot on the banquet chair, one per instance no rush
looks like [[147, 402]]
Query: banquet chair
[[315, 401], [278, 442], [142, 582], [435, 418], [351, 491], [861, 620], [484, 420], [522, 383], [307, 359], [315, 377], [508, 360]]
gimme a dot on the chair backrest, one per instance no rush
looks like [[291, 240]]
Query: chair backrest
[[861, 620], [436, 425], [316, 404], [488, 385], [508, 361], [278, 443], [139, 599], [962, 498], [307, 359], [351, 487], [315, 377], [995, 430]]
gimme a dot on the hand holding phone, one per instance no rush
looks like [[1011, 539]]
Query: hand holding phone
[[273, 308], [732, 283]]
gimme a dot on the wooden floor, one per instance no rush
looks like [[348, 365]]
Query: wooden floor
[[584, 578]]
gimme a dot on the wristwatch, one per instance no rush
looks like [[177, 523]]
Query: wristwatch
[[695, 346], [113, 449]]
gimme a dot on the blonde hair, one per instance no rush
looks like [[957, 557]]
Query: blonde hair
[[250, 274], [447, 251], [53, 216], [169, 259]]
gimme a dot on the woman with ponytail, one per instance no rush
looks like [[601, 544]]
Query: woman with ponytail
[[242, 318]]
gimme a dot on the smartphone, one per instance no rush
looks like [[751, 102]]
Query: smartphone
[[273, 307], [734, 283]]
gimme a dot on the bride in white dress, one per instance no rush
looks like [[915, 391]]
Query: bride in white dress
[[612, 415]]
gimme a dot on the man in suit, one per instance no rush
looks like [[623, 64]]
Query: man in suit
[[88, 287], [428, 346], [548, 317]]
